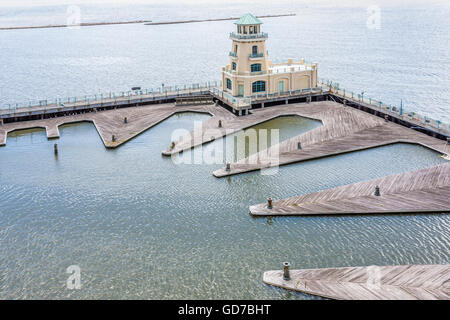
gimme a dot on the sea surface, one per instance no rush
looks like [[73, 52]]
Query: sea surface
[[139, 225]]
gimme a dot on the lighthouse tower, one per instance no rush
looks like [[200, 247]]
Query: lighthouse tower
[[248, 55], [251, 73]]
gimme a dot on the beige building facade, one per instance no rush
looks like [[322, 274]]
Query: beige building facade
[[250, 72]]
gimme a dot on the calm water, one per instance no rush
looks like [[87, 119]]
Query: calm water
[[407, 58], [140, 226]]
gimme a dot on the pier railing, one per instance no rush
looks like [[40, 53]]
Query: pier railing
[[101, 98], [397, 111]]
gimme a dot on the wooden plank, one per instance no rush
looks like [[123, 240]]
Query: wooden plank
[[407, 282], [344, 130], [424, 190]]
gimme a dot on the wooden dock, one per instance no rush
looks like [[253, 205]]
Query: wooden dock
[[344, 130], [111, 122], [422, 191], [407, 282]]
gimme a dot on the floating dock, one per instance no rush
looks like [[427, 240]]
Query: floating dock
[[408, 282]]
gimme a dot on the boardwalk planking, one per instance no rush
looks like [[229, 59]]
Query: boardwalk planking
[[111, 122], [407, 282], [344, 130], [424, 190]]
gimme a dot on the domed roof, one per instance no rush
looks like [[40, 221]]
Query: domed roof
[[248, 19]]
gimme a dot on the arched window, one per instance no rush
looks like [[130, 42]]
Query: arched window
[[259, 86], [255, 50], [228, 84], [233, 65], [255, 67]]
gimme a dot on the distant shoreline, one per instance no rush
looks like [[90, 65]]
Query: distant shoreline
[[146, 22], [86, 24], [216, 19]]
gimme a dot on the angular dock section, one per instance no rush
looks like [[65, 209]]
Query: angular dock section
[[408, 282], [115, 127], [344, 130], [421, 191]]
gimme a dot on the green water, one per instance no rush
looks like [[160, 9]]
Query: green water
[[140, 226]]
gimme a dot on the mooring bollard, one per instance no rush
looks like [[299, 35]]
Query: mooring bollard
[[113, 139], [269, 203], [228, 167], [299, 146], [55, 149], [220, 123], [377, 191], [286, 275], [386, 118], [125, 120]]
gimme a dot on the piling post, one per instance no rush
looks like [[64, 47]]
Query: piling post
[[55, 149], [269, 203], [377, 191], [286, 275]]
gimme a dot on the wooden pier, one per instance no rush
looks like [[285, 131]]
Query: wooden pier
[[422, 191], [407, 282], [344, 129], [111, 122]]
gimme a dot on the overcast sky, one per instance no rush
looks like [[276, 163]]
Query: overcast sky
[[355, 3]]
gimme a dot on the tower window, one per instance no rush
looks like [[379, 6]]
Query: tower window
[[255, 50], [259, 86], [228, 84], [255, 67], [235, 48], [233, 65]]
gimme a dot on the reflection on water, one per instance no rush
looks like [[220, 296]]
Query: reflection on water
[[140, 226]]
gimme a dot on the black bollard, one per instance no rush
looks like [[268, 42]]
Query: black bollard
[[269, 203], [377, 191], [286, 275], [125, 120], [55, 149], [299, 146], [220, 123]]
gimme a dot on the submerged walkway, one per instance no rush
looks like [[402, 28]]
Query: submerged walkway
[[111, 122], [424, 190], [408, 282]]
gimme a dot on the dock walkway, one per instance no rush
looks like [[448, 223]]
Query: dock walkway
[[422, 191], [407, 282], [111, 122], [344, 129]]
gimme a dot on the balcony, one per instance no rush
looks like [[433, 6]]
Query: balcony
[[256, 55], [233, 54], [261, 35]]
